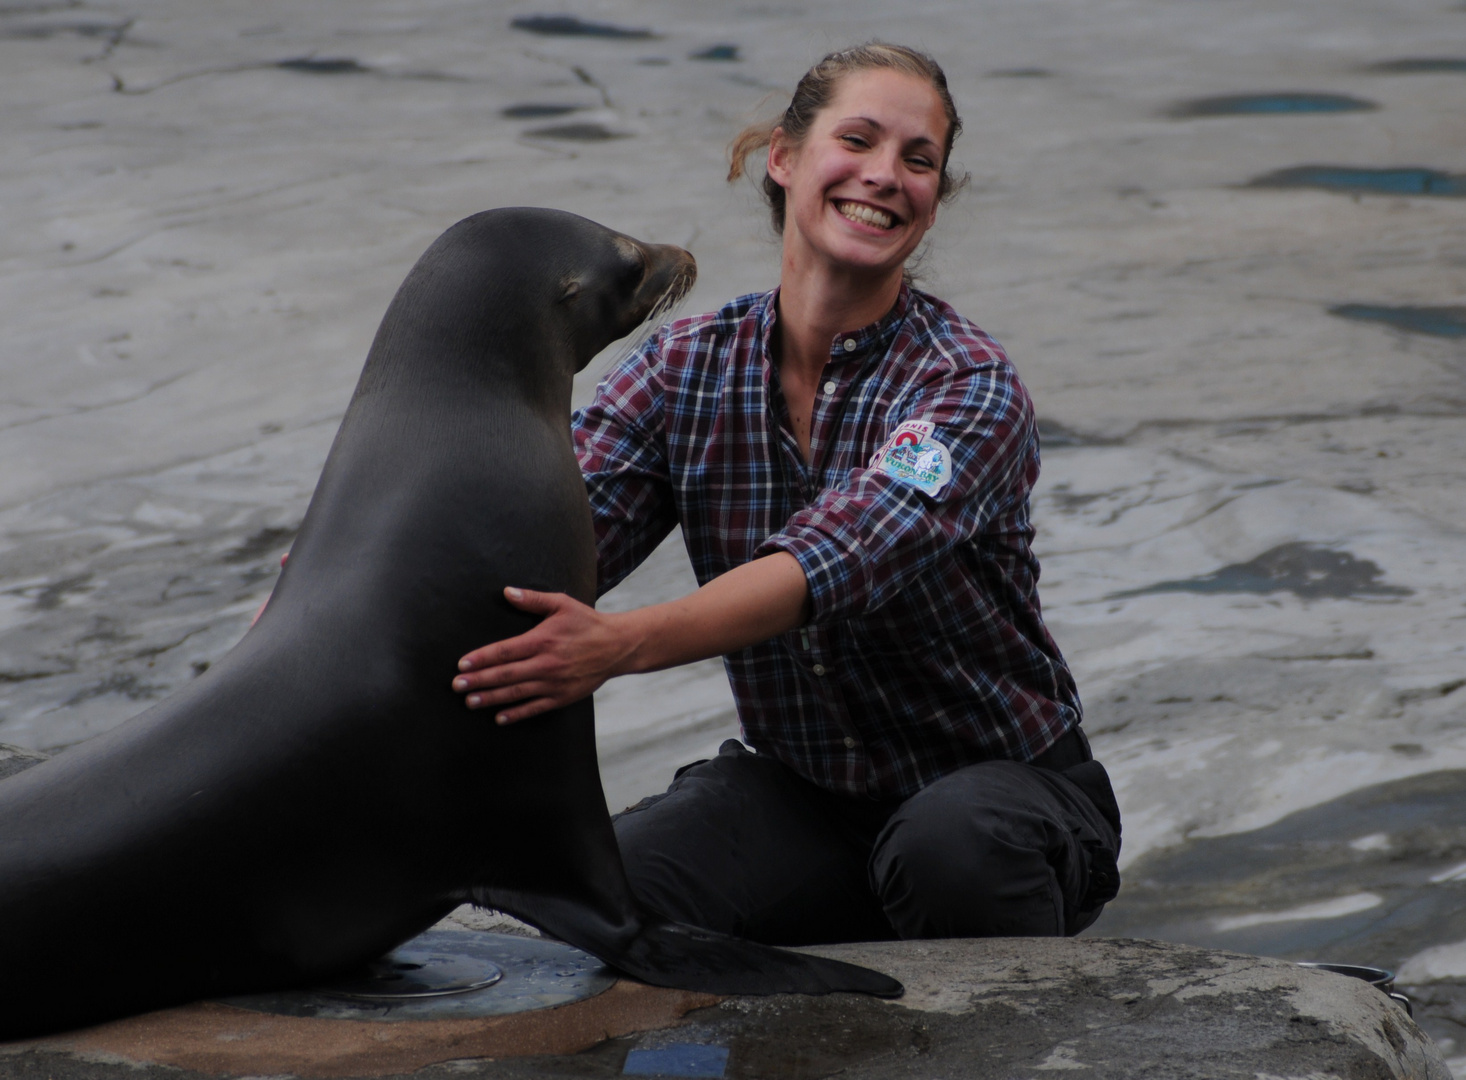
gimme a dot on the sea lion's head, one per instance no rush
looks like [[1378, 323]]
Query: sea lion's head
[[531, 287]]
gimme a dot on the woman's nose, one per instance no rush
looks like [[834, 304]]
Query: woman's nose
[[880, 171]]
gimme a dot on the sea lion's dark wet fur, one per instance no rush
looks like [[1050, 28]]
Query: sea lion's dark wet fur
[[322, 794]]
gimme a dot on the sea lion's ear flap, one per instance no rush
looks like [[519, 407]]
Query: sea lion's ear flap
[[570, 291]]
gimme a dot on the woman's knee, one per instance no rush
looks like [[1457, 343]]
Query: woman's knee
[[981, 856]]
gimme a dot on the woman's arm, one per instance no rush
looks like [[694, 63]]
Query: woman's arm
[[576, 648]]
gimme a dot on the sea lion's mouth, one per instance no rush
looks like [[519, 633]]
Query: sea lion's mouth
[[670, 274]]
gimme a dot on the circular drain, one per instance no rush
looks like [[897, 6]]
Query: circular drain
[[449, 975], [407, 973]]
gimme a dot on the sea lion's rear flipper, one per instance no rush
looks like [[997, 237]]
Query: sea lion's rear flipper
[[657, 951], [674, 954]]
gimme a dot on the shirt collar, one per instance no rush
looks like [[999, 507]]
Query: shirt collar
[[869, 340]]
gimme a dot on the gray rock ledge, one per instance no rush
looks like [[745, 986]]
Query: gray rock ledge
[[1001, 1009]]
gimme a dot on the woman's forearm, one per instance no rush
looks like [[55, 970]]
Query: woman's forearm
[[575, 648], [748, 604]]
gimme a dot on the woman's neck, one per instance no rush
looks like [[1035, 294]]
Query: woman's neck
[[816, 303]]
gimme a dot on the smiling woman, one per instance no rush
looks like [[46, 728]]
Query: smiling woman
[[850, 462]]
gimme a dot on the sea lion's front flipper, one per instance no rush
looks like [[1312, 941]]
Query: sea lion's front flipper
[[663, 953]]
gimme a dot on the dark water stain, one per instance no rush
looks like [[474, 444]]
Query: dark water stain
[[1447, 322], [537, 110], [54, 595], [1404, 180], [43, 31], [581, 132], [1021, 73], [1421, 65], [129, 686], [654, 61], [262, 543], [570, 26], [323, 65], [1282, 101], [1305, 570], [716, 52], [1053, 435]]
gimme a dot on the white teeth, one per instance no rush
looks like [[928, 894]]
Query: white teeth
[[866, 214]]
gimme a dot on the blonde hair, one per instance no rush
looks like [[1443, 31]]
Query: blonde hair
[[817, 89]]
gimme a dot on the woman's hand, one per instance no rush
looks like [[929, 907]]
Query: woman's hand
[[576, 648], [563, 659]]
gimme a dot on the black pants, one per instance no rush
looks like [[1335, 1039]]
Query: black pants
[[744, 845]]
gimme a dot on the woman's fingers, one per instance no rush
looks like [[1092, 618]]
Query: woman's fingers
[[562, 660]]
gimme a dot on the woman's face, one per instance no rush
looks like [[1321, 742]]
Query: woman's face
[[862, 189]]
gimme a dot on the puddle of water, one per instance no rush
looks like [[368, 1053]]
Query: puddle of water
[[313, 65], [1306, 570], [1421, 65], [537, 110], [1448, 322], [1405, 180], [570, 26], [1285, 101], [716, 52], [581, 132]]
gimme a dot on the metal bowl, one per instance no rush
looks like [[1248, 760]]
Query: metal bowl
[[1379, 978]]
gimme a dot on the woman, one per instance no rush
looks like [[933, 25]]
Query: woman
[[850, 461]]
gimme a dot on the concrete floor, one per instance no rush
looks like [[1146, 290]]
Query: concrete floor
[[198, 242]]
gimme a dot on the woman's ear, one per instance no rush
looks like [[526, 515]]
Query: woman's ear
[[781, 158]]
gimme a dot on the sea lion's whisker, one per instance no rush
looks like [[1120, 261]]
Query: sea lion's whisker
[[660, 313]]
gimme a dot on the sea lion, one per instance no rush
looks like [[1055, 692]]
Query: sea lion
[[321, 794]]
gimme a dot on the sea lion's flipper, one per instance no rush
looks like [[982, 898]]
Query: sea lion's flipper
[[674, 954], [664, 953]]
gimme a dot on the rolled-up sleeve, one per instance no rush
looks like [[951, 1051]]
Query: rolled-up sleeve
[[862, 541], [621, 447]]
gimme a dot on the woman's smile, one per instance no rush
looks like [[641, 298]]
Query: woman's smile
[[862, 186]]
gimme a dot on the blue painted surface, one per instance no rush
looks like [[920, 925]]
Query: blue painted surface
[[1422, 65], [1448, 322], [1284, 101], [678, 1059], [320, 65], [1404, 180], [717, 52]]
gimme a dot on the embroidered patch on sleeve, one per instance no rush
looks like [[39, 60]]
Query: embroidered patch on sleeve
[[911, 455]]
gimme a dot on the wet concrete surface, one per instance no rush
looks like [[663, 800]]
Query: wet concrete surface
[[198, 246]]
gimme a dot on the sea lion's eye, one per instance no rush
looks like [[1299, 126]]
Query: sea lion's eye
[[571, 291]]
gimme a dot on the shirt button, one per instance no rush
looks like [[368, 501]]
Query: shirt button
[[829, 388], [819, 669], [849, 743], [850, 344]]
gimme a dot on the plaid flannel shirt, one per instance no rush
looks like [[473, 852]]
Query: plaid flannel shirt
[[926, 651]]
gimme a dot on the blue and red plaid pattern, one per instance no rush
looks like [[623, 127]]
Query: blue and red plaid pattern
[[926, 651]]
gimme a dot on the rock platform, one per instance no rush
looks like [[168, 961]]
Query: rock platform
[[996, 1008]]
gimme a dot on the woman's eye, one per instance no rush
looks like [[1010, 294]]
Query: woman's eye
[[854, 140], [920, 163]]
